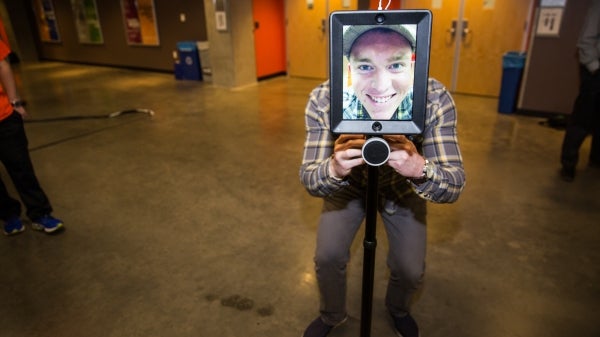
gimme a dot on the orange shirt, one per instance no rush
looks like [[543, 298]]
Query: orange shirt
[[5, 107], [3, 35]]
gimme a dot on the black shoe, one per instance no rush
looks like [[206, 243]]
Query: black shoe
[[318, 328], [405, 326], [567, 174]]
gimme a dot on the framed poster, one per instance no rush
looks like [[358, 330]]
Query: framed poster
[[87, 21], [139, 18], [549, 21], [221, 15], [46, 20]]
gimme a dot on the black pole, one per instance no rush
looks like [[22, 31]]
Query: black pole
[[369, 243]]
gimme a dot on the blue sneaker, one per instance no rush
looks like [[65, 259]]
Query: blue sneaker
[[47, 224], [13, 226]]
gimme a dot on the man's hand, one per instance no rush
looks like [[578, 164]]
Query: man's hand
[[21, 110], [347, 153], [404, 157]]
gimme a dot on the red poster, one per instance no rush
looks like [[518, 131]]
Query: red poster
[[132, 22]]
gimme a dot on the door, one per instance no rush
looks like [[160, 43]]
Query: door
[[308, 35], [269, 37], [469, 38], [443, 42]]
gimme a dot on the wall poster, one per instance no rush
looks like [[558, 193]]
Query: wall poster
[[140, 22], [549, 21], [46, 20], [221, 14], [87, 21]]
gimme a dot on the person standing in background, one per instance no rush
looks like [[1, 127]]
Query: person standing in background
[[14, 155], [585, 118]]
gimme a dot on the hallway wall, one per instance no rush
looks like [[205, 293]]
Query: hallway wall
[[232, 54], [114, 51], [16, 19], [551, 76], [549, 85]]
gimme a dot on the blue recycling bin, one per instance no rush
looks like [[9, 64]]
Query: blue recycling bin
[[187, 61], [512, 71]]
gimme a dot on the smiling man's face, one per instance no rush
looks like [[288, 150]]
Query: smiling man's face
[[382, 71]]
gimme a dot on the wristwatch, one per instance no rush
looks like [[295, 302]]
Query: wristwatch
[[17, 103], [426, 175]]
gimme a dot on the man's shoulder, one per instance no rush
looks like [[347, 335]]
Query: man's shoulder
[[321, 90], [435, 89], [322, 86], [434, 85]]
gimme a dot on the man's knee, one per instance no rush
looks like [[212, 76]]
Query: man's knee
[[331, 256], [409, 273]]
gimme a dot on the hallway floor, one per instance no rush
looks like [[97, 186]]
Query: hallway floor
[[191, 221]]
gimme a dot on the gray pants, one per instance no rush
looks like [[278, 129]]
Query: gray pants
[[340, 220]]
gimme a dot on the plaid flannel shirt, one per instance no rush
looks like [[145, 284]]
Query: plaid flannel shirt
[[439, 146]]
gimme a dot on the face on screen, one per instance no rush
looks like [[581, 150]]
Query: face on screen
[[381, 72]]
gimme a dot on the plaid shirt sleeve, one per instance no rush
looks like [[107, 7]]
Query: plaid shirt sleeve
[[440, 147], [318, 147]]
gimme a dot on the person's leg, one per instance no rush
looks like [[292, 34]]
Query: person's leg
[[407, 237], [579, 123], [9, 207], [574, 136], [18, 165], [595, 150], [339, 222]]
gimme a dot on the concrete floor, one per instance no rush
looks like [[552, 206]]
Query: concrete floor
[[192, 222]]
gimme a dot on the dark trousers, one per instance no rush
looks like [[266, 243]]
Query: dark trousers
[[14, 155], [584, 120]]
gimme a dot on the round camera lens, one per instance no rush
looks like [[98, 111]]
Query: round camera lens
[[379, 18], [376, 151]]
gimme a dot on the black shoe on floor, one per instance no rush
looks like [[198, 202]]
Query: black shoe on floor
[[318, 328], [567, 174], [406, 326]]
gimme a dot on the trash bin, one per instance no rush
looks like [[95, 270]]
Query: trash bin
[[512, 70], [187, 61]]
